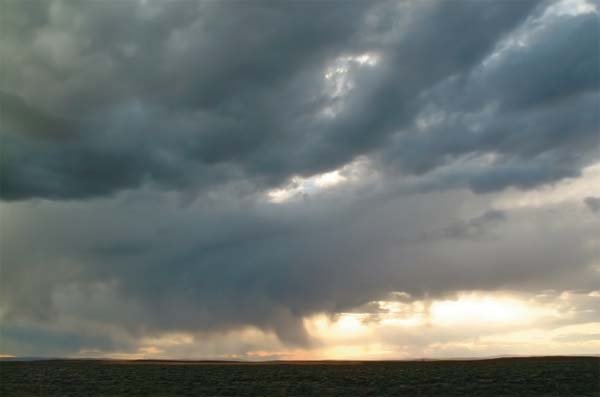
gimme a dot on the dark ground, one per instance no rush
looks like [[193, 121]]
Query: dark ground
[[539, 376]]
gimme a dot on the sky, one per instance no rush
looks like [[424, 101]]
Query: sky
[[299, 180]]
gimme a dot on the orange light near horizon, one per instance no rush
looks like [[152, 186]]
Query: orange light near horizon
[[474, 323]]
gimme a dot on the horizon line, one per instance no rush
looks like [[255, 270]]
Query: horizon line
[[250, 361]]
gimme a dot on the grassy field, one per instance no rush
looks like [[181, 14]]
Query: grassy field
[[547, 376]]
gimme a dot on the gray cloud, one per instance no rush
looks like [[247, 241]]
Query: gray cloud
[[215, 268], [138, 142], [475, 227], [22, 119], [211, 104], [593, 203], [36, 342]]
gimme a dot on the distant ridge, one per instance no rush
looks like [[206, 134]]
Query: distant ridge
[[275, 362]]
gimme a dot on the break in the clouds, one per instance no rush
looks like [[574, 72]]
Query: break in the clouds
[[231, 171]]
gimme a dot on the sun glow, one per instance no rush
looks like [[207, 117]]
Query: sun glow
[[465, 310], [341, 326], [468, 325], [359, 335], [486, 310]]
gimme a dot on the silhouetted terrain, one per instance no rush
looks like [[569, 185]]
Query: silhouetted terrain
[[536, 376]]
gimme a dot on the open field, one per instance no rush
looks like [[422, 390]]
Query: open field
[[536, 376]]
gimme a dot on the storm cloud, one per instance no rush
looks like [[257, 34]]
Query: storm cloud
[[163, 164]]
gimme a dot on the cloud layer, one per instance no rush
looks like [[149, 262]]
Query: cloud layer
[[202, 167]]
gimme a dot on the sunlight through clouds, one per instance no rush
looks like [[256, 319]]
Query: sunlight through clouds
[[271, 180], [355, 172]]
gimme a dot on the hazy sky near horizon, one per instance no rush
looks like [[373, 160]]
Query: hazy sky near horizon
[[299, 179]]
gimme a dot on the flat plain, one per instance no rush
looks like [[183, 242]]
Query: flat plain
[[533, 376]]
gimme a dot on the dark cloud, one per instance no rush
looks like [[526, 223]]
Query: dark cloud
[[593, 203], [472, 228], [174, 95], [20, 118], [145, 271], [504, 108], [36, 342], [139, 142], [554, 69]]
